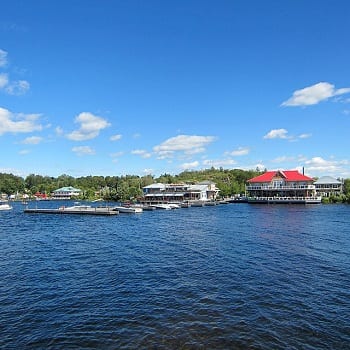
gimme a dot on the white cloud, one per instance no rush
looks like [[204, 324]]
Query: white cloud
[[219, 163], [3, 58], [148, 171], [83, 150], [90, 127], [314, 94], [59, 131], [283, 134], [191, 165], [284, 159], [318, 164], [304, 136], [14, 123], [17, 88], [241, 151], [142, 153], [115, 137], [189, 144], [276, 134], [32, 140], [4, 80], [116, 154], [24, 152]]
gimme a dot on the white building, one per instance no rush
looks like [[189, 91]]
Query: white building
[[66, 193], [327, 186], [159, 192]]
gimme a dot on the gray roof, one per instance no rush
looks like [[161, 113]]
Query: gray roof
[[327, 180], [68, 189], [157, 185], [206, 182]]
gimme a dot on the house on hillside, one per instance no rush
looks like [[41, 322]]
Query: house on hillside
[[66, 193], [279, 186], [328, 186]]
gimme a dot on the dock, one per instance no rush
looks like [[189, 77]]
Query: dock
[[80, 211]]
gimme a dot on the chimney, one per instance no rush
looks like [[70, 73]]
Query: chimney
[[303, 171]]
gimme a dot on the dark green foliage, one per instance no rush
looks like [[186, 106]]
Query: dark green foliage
[[129, 187]]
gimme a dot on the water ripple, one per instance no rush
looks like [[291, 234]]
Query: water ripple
[[225, 277]]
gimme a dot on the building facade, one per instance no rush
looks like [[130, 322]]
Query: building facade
[[66, 193], [288, 186], [327, 186], [159, 192]]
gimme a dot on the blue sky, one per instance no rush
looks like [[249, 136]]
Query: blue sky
[[151, 87]]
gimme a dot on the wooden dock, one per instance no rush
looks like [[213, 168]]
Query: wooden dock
[[80, 211]]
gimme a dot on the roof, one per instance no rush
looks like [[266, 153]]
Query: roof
[[207, 182], [327, 180], [67, 189], [288, 175], [156, 185], [198, 187]]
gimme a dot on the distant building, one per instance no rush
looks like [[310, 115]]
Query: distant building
[[40, 196], [66, 193], [328, 186], [159, 192], [282, 187]]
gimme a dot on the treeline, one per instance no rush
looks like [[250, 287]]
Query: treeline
[[126, 187], [230, 182]]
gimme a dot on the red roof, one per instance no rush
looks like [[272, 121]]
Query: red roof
[[288, 175]]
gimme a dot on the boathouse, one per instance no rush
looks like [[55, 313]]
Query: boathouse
[[282, 186]]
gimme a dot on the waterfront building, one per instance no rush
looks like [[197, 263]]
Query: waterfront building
[[66, 193], [279, 186], [328, 186], [40, 196], [201, 191]]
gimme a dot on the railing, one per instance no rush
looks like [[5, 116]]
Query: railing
[[277, 188], [285, 199]]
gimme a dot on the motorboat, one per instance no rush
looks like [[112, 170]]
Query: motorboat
[[162, 206], [5, 206], [128, 209]]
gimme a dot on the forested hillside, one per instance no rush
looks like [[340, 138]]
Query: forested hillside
[[230, 182]]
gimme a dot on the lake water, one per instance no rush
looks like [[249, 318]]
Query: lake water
[[234, 276]]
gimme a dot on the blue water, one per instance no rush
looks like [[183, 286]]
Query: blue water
[[234, 276]]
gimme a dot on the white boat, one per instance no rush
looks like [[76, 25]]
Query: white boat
[[163, 206], [174, 206], [5, 206], [131, 209]]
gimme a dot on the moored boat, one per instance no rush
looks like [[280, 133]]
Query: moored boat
[[128, 209], [5, 206], [162, 206]]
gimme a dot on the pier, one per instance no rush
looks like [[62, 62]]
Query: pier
[[82, 210]]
